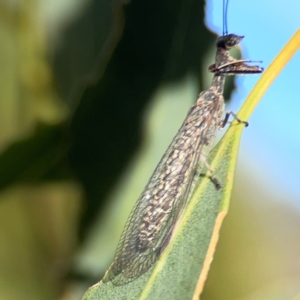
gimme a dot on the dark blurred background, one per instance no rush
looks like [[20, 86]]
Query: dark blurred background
[[91, 94]]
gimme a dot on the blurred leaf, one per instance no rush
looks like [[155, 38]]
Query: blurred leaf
[[38, 227], [162, 42], [27, 94], [35, 157], [286, 289]]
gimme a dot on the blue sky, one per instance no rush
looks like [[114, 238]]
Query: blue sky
[[272, 141]]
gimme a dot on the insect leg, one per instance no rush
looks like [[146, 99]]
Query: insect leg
[[211, 171], [225, 121]]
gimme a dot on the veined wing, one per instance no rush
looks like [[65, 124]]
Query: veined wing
[[150, 224]]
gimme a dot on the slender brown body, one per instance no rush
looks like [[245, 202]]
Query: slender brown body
[[150, 225]]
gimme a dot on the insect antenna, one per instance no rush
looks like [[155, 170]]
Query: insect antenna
[[225, 9]]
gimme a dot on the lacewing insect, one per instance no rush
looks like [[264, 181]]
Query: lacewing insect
[[150, 225]]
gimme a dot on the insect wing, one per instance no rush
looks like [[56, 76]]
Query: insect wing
[[151, 222]]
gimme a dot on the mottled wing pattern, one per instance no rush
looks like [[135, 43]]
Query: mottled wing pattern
[[150, 224]]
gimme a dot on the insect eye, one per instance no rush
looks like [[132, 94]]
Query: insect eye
[[232, 42]]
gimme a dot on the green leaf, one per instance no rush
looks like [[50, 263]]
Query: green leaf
[[182, 269]]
